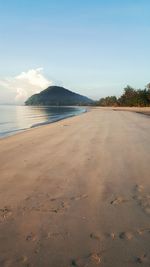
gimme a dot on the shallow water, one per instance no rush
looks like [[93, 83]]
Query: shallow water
[[14, 119]]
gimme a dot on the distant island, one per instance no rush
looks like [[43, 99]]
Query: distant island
[[58, 96]]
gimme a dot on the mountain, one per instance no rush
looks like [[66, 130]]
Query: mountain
[[57, 96]]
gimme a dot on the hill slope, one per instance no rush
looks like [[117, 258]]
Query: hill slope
[[57, 96]]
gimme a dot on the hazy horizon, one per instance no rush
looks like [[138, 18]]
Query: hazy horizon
[[94, 48]]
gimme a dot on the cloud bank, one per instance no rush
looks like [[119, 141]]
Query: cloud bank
[[26, 84]]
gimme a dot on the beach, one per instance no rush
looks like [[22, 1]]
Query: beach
[[77, 192]]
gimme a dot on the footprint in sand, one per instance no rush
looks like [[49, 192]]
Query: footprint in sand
[[141, 259], [126, 235], [93, 258], [139, 188], [44, 203], [95, 236], [118, 200], [31, 237], [60, 206], [5, 213], [110, 235]]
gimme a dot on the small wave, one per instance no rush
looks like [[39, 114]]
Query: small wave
[[30, 119], [52, 120]]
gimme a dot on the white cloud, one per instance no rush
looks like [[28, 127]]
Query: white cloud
[[26, 84]]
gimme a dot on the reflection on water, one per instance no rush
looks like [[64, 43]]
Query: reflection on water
[[19, 118]]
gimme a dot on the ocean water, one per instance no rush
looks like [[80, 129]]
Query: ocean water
[[15, 119]]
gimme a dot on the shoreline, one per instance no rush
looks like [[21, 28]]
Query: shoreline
[[19, 131], [43, 126], [141, 110]]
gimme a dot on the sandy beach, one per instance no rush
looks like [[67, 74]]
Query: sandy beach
[[77, 192]]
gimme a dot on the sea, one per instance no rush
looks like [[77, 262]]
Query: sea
[[14, 119]]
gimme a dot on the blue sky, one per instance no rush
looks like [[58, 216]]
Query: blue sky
[[92, 47]]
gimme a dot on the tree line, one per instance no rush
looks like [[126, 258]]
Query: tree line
[[130, 98]]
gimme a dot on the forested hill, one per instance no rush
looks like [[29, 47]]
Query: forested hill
[[58, 96]]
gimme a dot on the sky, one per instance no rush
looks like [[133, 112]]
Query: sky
[[92, 47]]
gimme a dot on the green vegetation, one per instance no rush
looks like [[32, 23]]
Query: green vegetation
[[130, 97], [107, 101], [58, 96]]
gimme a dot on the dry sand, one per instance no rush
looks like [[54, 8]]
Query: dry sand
[[77, 193]]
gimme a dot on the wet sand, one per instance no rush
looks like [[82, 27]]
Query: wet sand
[[77, 192]]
